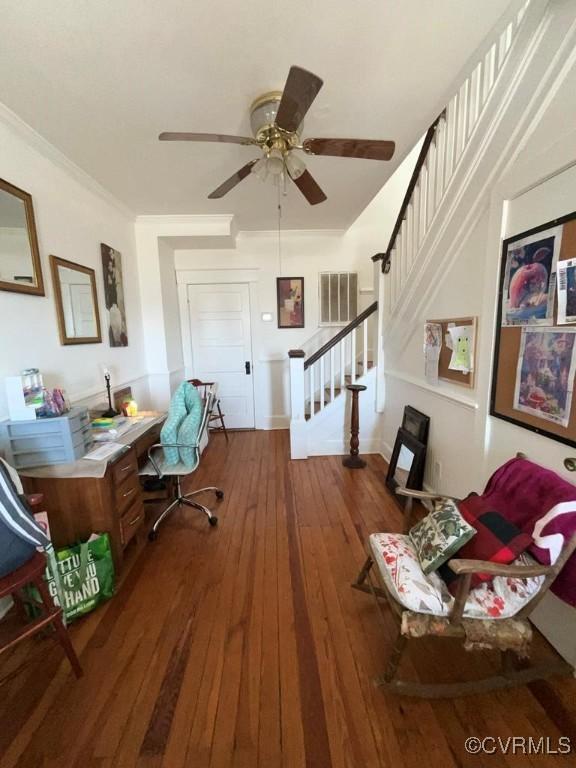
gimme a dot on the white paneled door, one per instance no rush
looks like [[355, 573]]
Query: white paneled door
[[222, 347]]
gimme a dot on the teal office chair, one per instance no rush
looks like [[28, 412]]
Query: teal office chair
[[158, 466]]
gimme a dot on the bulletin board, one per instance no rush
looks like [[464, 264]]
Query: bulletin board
[[446, 373], [507, 376]]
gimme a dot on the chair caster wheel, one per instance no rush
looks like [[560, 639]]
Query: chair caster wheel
[[153, 535], [219, 494], [213, 521]]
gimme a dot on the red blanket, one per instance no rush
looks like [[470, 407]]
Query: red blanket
[[543, 505]]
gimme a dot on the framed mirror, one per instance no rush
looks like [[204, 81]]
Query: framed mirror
[[20, 269], [76, 302], [406, 468]]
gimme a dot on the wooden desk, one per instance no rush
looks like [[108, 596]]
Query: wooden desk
[[79, 506]]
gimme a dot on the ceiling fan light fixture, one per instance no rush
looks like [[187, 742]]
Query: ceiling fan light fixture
[[260, 169], [276, 119], [275, 162], [294, 165]]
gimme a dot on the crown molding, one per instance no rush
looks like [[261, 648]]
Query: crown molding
[[25, 132], [287, 234], [192, 219], [188, 225]]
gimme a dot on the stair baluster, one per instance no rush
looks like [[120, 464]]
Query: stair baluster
[[318, 380], [443, 147]]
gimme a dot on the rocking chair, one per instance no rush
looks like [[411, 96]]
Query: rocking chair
[[464, 616]]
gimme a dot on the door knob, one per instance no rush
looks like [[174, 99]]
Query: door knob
[[247, 367]]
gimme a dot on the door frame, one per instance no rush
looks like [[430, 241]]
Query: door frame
[[249, 277]]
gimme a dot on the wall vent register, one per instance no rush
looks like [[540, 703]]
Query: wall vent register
[[338, 297]]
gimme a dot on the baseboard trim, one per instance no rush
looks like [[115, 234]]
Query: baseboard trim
[[279, 421]]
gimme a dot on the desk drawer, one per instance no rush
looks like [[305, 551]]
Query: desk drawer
[[125, 466], [127, 493], [131, 521], [147, 440]]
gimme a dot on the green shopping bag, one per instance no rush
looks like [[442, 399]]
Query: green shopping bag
[[85, 576]]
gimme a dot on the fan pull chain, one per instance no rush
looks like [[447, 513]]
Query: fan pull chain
[[279, 234]]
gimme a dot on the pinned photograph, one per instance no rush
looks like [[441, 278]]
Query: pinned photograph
[[114, 296], [462, 346], [545, 374], [530, 278], [566, 291], [432, 347]]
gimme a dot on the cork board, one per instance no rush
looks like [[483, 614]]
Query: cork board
[[446, 373], [508, 345]]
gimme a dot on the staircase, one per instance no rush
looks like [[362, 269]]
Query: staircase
[[318, 380]]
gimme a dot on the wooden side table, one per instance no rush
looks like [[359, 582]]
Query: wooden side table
[[354, 461]]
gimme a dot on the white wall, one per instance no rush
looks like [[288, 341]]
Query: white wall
[[156, 237], [73, 216], [169, 289]]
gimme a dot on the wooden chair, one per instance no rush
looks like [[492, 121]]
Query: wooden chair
[[510, 636], [12, 584], [218, 416]]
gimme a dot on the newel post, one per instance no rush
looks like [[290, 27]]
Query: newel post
[[298, 436]]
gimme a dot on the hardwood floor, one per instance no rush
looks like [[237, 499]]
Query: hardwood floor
[[245, 646]]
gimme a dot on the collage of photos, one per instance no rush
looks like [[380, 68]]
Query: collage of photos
[[539, 295]]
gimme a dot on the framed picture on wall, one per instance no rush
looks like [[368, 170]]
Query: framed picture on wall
[[114, 295], [290, 300]]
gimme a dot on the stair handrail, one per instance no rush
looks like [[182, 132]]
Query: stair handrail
[[340, 335], [424, 149]]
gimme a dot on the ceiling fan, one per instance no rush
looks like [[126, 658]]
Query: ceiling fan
[[276, 121]]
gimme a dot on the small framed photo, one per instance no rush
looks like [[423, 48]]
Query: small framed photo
[[416, 423], [290, 298], [406, 467], [121, 398]]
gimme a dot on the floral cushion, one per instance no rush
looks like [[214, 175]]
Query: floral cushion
[[440, 535], [397, 561]]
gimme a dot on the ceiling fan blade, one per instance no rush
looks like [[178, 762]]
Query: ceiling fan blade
[[370, 149], [230, 183], [299, 92], [309, 188], [218, 137]]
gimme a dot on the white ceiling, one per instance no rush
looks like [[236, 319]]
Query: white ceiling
[[101, 79]]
